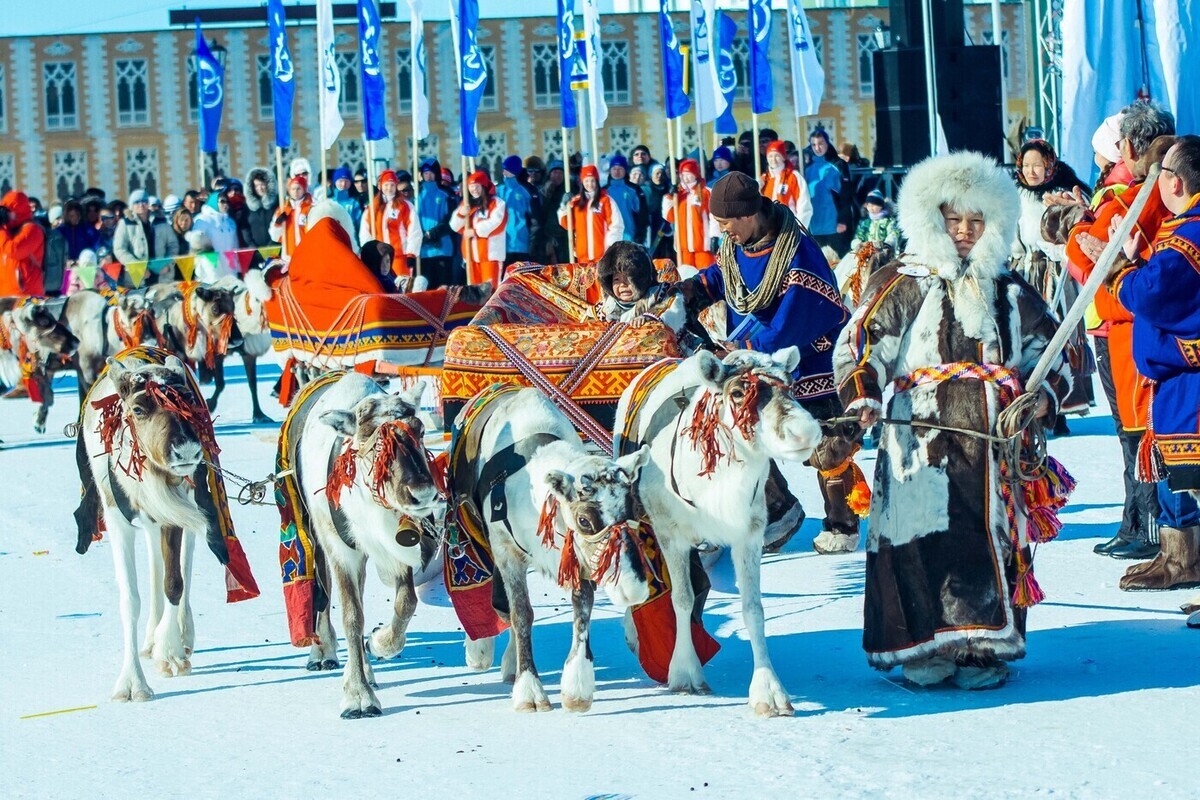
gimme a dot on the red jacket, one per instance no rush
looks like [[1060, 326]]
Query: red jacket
[[22, 243]]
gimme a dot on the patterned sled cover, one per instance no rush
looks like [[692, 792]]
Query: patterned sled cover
[[532, 294], [473, 362]]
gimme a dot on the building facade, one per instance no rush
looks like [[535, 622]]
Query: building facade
[[119, 110]]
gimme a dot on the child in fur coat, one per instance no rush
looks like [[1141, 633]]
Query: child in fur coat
[[632, 292]]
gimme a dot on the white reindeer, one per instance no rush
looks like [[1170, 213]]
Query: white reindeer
[[373, 440], [141, 462], [250, 295], [709, 457], [546, 470]]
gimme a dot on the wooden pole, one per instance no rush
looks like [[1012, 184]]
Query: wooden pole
[[466, 198], [370, 148], [672, 166], [754, 145], [570, 211], [416, 184], [283, 248]]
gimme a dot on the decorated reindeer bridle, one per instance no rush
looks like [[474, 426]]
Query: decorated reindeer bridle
[[132, 336], [217, 334], [608, 541], [116, 423], [379, 453], [710, 435]]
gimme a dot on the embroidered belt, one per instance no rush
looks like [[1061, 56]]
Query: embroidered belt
[[958, 370]]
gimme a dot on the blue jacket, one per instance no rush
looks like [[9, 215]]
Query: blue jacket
[[516, 198], [808, 314], [433, 210], [824, 183], [1161, 295], [629, 201], [348, 201]]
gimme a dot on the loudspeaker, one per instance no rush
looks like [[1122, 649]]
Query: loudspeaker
[[904, 21], [968, 90]]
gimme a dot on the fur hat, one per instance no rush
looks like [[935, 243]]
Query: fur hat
[[329, 209], [963, 181], [630, 259], [299, 166]]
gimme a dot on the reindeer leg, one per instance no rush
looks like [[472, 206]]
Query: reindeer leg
[[187, 558], [358, 699], [131, 683], [480, 653], [218, 382], [528, 692], [323, 655], [168, 637], [579, 674], [42, 379], [508, 661], [685, 673], [387, 641], [367, 668], [251, 364], [154, 562], [767, 695]]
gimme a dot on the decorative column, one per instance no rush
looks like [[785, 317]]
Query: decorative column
[[31, 167], [99, 111]]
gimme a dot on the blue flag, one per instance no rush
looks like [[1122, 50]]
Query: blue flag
[[567, 56], [472, 70], [210, 92], [374, 125], [675, 98], [726, 74], [762, 86], [283, 88]]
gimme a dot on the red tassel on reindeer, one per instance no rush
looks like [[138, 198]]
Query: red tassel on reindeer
[[545, 528], [609, 557], [568, 565], [341, 475], [705, 432]]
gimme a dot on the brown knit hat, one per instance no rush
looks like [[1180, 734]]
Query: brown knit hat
[[735, 195]]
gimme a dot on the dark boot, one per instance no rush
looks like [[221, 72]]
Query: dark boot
[[784, 514], [1177, 565]]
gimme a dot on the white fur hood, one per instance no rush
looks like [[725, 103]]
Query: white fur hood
[[964, 181]]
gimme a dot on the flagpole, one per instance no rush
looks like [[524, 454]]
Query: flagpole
[[567, 177], [591, 234], [415, 166], [672, 165], [320, 97], [754, 144], [696, 108], [279, 182], [466, 198], [370, 151]]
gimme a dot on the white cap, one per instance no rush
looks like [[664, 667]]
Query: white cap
[[87, 258], [54, 214], [1104, 140], [171, 203], [137, 196]]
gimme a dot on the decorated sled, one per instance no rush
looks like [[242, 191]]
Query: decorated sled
[[591, 362], [329, 312]]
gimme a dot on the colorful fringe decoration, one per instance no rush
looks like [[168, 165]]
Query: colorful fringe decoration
[[1044, 498], [705, 433], [390, 438], [341, 474], [193, 412], [1151, 468], [568, 564], [745, 411], [545, 528], [1027, 592]]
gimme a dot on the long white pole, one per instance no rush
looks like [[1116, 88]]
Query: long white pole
[[570, 210], [320, 102], [416, 175], [370, 150]]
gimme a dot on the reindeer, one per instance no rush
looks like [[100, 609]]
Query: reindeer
[[196, 321], [713, 428], [365, 478], [141, 453], [36, 343], [254, 331], [567, 515], [130, 321]]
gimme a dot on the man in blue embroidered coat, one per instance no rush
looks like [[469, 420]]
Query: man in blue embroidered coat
[[1161, 294], [780, 292]]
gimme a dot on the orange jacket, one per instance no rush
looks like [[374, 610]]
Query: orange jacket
[[1133, 390], [393, 223], [696, 229], [22, 245], [790, 189], [602, 219], [290, 231]]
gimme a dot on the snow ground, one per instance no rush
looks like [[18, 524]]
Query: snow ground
[[1097, 709]]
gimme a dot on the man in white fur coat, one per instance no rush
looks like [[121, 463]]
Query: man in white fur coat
[[954, 332]]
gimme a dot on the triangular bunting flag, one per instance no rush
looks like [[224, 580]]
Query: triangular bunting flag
[[187, 265], [137, 271], [87, 276], [159, 264]]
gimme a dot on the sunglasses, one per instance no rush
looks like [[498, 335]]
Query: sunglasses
[[106, 217]]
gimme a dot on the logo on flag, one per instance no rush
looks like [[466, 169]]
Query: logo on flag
[[331, 79], [472, 70], [374, 126], [420, 103], [726, 74], [674, 95], [209, 91], [808, 78], [568, 63], [762, 85], [282, 74]]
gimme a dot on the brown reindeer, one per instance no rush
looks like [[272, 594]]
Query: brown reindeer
[[36, 343]]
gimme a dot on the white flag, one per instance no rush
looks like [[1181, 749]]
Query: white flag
[[710, 100], [420, 103], [331, 78], [595, 62], [808, 79]]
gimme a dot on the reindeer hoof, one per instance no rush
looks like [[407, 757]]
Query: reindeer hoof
[[330, 664], [372, 711], [770, 710], [530, 707], [142, 695], [313, 666], [578, 704], [352, 713], [261, 419]]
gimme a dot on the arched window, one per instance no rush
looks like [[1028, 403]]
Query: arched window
[[133, 96], [347, 64], [616, 72], [545, 76], [266, 87], [59, 77]]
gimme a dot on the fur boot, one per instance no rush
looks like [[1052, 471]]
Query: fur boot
[[1177, 565], [929, 671], [828, 543]]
